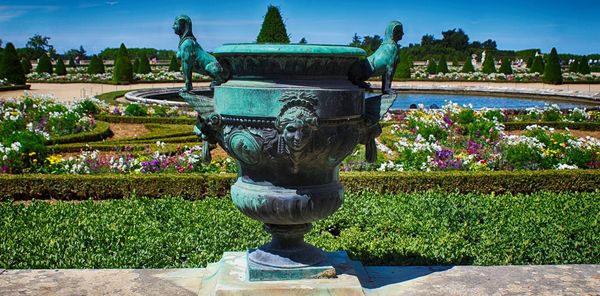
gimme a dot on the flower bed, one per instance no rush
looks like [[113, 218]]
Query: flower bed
[[520, 75], [82, 77], [460, 138]]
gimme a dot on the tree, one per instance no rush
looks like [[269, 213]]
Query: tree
[[60, 67], [273, 29], [302, 41], [123, 70], [489, 45], [403, 69], [506, 67], [584, 67], [538, 65], [530, 62], [144, 67], [442, 65], [81, 52], [488, 65], [136, 65], [574, 66], [37, 46], [468, 66], [427, 40], [44, 65], [456, 39], [72, 63], [27, 67], [96, 66], [455, 62], [10, 66], [174, 65], [431, 67], [552, 71]]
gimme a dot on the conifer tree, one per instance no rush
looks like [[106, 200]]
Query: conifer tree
[[552, 71], [506, 67], [574, 66], [10, 66], [96, 66], [60, 68], [72, 62], [403, 69], [488, 65], [44, 65], [123, 70], [174, 65], [273, 29], [302, 41], [538, 65], [136, 65], [144, 67], [468, 66], [431, 67], [442, 65], [583, 67], [530, 63], [27, 67]]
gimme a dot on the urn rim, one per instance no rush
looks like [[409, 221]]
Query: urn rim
[[289, 49]]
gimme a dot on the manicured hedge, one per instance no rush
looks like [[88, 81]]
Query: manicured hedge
[[14, 87], [100, 132], [144, 119], [402, 229], [195, 186]]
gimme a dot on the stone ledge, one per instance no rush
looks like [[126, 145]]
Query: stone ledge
[[382, 280]]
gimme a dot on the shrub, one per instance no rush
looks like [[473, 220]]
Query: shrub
[[530, 63], [273, 29], [488, 65], [60, 69], [403, 70], [584, 67], [72, 63], [431, 67], [136, 65], [538, 65], [26, 64], [96, 66], [468, 66], [174, 65], [574, 66], [506, 67], [10, 66], [442, 65], [552, 71], [123, 70], [136, 110], [144, 67], [44, 65]]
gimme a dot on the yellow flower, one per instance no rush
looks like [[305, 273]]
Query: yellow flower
[[32, 153]]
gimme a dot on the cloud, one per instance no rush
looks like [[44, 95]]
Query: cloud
[[112, 3], [9, 12]]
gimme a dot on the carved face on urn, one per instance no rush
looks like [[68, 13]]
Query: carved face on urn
[[297, 125]]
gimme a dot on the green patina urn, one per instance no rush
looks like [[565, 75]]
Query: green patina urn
[[288, 114]]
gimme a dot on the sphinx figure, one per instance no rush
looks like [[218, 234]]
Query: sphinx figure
[[193, 57], [382, 62]]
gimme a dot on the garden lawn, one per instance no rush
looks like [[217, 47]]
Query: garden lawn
[[405, 229]]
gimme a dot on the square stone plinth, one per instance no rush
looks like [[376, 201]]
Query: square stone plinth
[[230, 277]]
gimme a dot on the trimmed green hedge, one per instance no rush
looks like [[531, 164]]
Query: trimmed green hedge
[[194, 186], [14, 87], [402, 229], [144, 119], [100, 132]]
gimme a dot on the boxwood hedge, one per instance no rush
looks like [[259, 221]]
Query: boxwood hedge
[[393, 229], [197, 186]]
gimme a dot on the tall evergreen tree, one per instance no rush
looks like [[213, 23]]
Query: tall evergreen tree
[[144, 65], [574, 66], [403, 70], [431, 67], [468, 66], [530, 63], [488, 65], [174, 65], [44, 65], [273, 29], [136, 65], [302, 41], [442, 65], [538, 65], [583, 67], [60, 68], [455, 62], [72, 63], [96, 66], [506, 66], [553, 72], [10, 66], [26, 63], [123, 70]]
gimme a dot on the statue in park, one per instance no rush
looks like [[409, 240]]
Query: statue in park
[[193, 57], [381, 63]]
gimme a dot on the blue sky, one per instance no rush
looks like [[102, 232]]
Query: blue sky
[[571, 26]]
